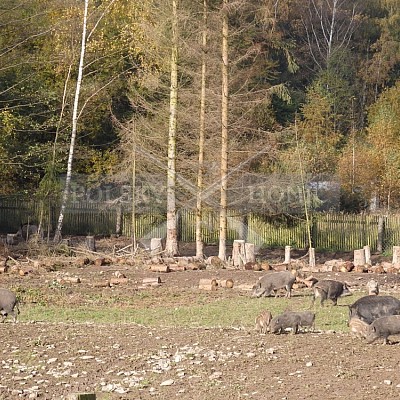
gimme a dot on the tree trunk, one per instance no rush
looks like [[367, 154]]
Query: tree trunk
[[381, 230], [224, 136], [133, 216], [199, 236], [396, 255], [57, 236], [171, 244]]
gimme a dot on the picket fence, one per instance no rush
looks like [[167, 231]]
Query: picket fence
[[330, 231]]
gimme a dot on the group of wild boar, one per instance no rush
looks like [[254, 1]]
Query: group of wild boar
[[371, 317]]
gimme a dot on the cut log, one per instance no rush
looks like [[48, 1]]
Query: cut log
[[238, 253], [98, 262], [265, 266], [208, 284], [177, 268], [280, 267], [118, 281], [71, 279], [360, 269], [81, 396], [160, 268], [244, 286], [359, 257], [151, 281], [102, 284], [225, 283]]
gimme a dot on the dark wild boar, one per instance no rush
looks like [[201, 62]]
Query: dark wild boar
[[284, 321], [329, 289], [27, 230], [371, 307], [272, 282], [8, 304], [383, 327]]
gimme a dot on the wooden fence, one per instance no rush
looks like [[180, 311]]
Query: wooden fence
[[330, 231]]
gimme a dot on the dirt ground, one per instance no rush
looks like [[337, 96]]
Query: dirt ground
[[130, 361]]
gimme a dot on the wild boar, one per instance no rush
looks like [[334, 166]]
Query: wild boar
[[383, 327], [307, 319], [8, 304], [293, 320], [25, 231], [358, 327], [262, 321], [371, 307], [272, 282], [329, 289]]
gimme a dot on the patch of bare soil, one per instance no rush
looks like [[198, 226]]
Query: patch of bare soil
[[129, 361]]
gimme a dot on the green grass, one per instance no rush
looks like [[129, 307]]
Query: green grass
[[233, 312]]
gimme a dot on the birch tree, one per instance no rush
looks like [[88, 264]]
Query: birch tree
[[66, 192], [171, 244], [329, 27], [224, 134]]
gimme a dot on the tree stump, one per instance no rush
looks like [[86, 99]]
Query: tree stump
[[287, 255], [396, 255], [238, 253], [91, 243], [155, 246], [311, 258], [359, 257], [250, 252], [367, 251], [12, 239]]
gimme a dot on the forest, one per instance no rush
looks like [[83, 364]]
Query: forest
[[264, 91]]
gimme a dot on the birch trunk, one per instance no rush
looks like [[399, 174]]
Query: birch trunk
[[57, 236], [171, 244], [199, 211], [224, 136]]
